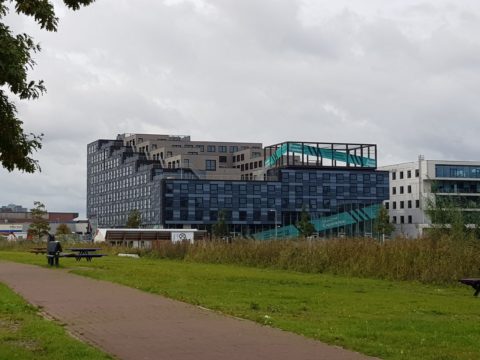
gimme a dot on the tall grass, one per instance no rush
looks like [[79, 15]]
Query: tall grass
[[438, 259], [430, 260]]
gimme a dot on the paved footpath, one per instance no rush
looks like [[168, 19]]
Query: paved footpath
[[131, 324]]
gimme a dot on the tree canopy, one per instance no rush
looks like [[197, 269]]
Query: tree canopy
[[134, 220], [39, 226], [16, 51], [304, 225]]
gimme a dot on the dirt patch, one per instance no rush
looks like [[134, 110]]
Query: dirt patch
[[30, 345], [10, 325]]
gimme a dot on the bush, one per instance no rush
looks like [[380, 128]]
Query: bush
[[429, 260]]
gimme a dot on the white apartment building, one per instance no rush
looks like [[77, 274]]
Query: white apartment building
[[412, 183]]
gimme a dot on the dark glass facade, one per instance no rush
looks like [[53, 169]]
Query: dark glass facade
[[253, 206], [340, 200], [457, 171]]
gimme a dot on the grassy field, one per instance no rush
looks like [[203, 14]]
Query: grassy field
[[388, 319], [26, 335]]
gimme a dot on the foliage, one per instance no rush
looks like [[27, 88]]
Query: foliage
[[447, 217], [134, 220], [63, 229], [39, 226], [220, 228], [305, 227], [26, 335], [382, 223], [16, 59], [387, 319]]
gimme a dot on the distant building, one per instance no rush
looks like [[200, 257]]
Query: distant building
[[178, 183], [19, 222], [13, 208], [412, 183]]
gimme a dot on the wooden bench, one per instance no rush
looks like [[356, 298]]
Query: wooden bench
[[474, 283]]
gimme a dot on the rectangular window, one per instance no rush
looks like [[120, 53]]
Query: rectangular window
[[394, 220], [417, 173], [222, 149], [410, 220], [417, 203], [222, 159], [211, 148], [402, 219], [409, 189], [401, 174], [387, 205], [409, 174], [409, 204], [210, 165], [233, 149], [201, 147], [402, 204], [394, 190], [394, 203], [401, 189], [394, 175]]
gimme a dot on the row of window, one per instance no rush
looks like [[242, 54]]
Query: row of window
[[402, 219], [408, 173], [457, 171], [117, 184], [402, 204], [110, 175], [250, 166], [401, 190], [335, 177]]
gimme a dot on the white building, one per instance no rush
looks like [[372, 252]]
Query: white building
[[411, 184]]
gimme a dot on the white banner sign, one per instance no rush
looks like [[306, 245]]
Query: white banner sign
[[182, 236], [8, 228]]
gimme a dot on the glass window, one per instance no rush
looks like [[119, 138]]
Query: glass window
[[402, 204], [409, 204], [417, 203], [409, 189], [457, 171], [409, 174], [394, 203], [394, 190], [394, 175], [401, 189], [401, 174], [233, 149], [417, 173], [222, 149], [211, 148], [410, 220], [222, 159], [210, 165]]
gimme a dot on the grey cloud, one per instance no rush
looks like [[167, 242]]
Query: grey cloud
[[401, 76]]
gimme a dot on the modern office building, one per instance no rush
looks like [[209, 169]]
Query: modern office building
[[261, 192], [414, 184]]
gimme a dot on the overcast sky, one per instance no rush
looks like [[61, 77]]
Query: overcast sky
[[402, 74]]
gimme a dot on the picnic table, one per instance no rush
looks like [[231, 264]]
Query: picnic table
[[474, 283], [87, 253]]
